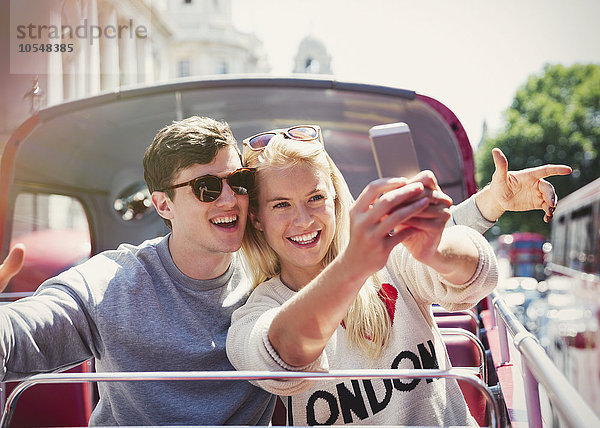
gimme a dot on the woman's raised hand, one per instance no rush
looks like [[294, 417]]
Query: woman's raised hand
[[382, 208], [521, 190], [429, 224]]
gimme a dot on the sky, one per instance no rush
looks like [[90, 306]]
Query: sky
[[470, 55]]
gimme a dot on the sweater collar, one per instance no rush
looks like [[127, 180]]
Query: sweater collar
[[195, 284]]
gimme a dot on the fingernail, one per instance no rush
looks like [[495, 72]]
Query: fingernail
[[551, 210]]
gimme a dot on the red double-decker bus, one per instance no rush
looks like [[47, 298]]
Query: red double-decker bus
[[525, 253]]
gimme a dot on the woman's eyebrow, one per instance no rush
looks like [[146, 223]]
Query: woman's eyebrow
[[285, 198], [278, 198]]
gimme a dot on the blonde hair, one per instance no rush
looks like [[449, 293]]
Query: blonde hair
[[367, 322]]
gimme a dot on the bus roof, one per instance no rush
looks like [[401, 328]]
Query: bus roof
[[92, 148], [578, 198]]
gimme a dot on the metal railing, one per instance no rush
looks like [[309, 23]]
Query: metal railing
[[573, 273], [537, 369], [454, 373], [13, 296], [448, 331], [438, 311]]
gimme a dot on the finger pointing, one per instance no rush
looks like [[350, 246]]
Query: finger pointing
[[549, 170]]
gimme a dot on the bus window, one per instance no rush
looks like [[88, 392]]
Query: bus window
[[559, 241], [56, 234], [580, 240], [595, 256], [576, 230]]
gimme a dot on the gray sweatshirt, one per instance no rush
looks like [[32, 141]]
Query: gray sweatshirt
[[134, 310]]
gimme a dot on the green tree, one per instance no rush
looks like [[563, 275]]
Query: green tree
[[554, 118]]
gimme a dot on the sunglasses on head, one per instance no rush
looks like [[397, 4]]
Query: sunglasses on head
[[298, 133], [208, 188]]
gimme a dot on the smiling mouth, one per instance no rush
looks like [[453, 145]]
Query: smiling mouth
[[226, 222], [305, 239]]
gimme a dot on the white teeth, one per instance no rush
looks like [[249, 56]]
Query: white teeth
[[304, 239], [227, 219]]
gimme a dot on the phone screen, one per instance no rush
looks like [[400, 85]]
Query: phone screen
[[394, 150]]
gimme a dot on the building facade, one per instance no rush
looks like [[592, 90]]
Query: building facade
[[114, 44], [205, 42], [312, 57]]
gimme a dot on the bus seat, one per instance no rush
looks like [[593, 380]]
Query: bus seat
[[466, 321], [54, 405], [279, 414], [440, 311], [49, 252], [483, 305], [476, 403], [465, 350]]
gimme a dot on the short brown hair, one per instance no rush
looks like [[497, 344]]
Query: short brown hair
[[195, 140]]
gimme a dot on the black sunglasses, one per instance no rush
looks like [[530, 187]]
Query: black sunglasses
[[299, 133], [208, 188]]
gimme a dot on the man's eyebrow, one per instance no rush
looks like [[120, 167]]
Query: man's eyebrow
[[221, 174]]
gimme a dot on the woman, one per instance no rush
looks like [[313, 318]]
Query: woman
[[335, 291]]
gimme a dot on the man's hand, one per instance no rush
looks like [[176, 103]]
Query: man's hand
[[522, 190], [12, 265]]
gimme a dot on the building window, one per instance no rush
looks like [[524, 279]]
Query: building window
[[222, 67], [183, 69], [312, 66]]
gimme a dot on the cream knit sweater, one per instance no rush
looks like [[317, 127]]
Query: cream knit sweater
[[415, 343]]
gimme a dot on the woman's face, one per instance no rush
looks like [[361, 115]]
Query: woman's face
[[296, 213]]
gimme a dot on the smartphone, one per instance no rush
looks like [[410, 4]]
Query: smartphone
[[394, 150]]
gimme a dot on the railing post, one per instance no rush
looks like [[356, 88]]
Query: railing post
[[503, 339], [532, 397], [490, 304], [530, 384]]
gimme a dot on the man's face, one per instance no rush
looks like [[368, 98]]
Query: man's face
[[209, 227]]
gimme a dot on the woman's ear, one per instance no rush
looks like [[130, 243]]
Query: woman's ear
[[255, 221], [162, 203]]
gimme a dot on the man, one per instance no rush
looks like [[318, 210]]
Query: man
[[166, 304]]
